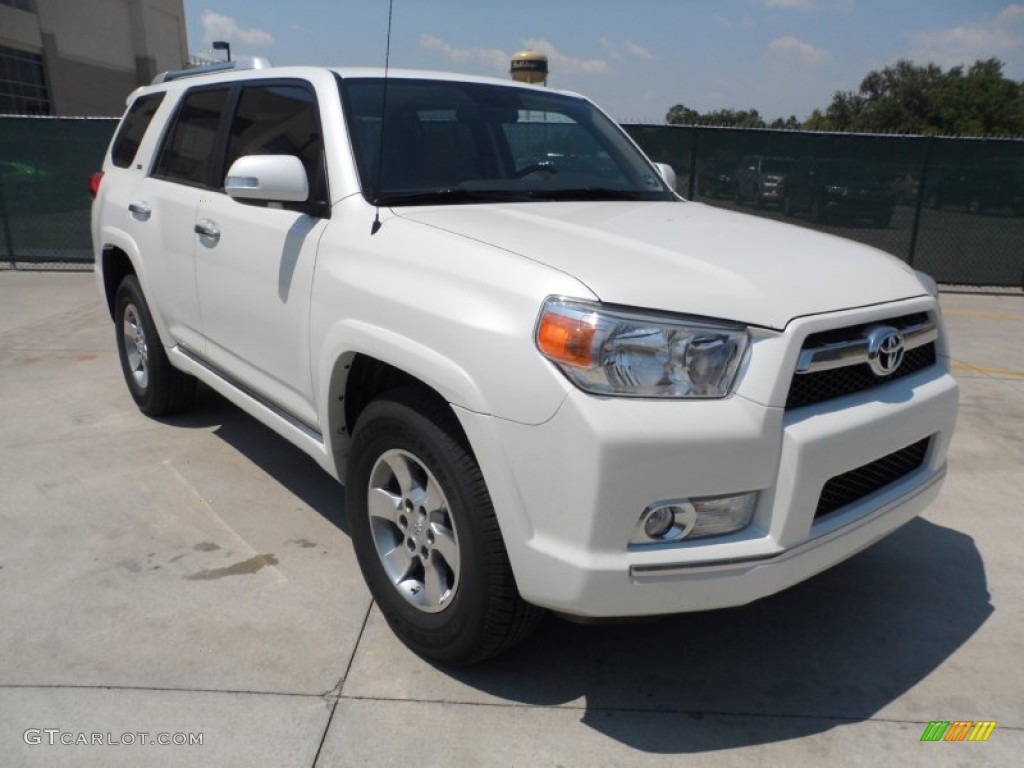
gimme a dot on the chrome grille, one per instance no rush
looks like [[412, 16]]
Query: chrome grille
[[839, 377], [854, 485]]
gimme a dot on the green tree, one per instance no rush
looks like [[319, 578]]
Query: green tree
[[737, 118], [906, 98], [682, 115]]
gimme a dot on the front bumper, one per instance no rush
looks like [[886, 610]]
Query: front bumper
[[568, 493]]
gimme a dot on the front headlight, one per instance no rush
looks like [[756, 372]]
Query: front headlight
[[836, 190], [613, 352]]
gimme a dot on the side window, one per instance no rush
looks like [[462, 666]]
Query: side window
[[280, 120], [133, 128], [187, 153]]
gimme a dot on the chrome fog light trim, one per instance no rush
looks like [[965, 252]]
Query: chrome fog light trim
[[684, 519]]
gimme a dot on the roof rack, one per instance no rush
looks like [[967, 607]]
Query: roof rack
[[255, 62]]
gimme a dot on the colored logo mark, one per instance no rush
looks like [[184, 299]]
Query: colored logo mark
[[958, 730]]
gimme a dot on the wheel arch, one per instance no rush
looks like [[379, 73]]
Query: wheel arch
[[115, 265], [357, 377]]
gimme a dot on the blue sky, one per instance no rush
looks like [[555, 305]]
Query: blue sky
[[636, 58]]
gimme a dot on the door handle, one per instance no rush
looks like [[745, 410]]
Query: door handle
[[140, 211], [206, 228]]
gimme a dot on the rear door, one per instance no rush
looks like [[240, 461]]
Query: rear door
[[162, 210], [255, 276]]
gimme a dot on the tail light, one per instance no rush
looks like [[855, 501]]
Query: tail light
[[94, 184]]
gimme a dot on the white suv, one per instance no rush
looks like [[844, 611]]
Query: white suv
[[545, 380]]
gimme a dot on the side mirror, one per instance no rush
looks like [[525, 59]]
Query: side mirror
[[278, 178], [667, 174]]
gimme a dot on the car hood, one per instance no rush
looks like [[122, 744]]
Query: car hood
[[686, 257]]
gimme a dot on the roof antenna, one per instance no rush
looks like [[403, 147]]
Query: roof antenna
[[375, 227]]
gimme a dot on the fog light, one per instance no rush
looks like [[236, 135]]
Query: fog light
[[659, 522], [679, 519]]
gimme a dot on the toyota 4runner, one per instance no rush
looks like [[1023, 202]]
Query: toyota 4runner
[[545, 380]]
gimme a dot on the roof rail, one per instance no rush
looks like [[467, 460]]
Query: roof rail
[[256, 62]]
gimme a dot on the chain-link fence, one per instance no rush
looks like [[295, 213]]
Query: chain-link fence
[[45, 164], [951, 207]]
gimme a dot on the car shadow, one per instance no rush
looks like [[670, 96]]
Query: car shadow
[[269, 451], [833, 650]]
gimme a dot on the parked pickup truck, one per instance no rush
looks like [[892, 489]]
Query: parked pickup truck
[[544, 379]]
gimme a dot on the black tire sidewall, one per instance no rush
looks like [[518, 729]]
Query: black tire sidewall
[[130, 292]]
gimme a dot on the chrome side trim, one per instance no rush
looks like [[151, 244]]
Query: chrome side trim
[[646, 572], [855, 351], [270, 405]]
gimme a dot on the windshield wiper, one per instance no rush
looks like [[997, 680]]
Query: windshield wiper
[[452, 196]]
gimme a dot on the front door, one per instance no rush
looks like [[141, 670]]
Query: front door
[[255, 261]]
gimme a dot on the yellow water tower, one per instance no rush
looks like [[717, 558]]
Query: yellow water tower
[[530, 67]]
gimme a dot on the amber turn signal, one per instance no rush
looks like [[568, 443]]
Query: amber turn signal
[[566, 339]]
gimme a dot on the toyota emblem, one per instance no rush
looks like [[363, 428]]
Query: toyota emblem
[[885, 350]]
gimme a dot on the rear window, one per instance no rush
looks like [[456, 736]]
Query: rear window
[[133, 128]]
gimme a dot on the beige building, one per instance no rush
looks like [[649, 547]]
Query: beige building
[[83, 57]]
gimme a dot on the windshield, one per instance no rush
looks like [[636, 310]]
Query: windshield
[[457, 142]]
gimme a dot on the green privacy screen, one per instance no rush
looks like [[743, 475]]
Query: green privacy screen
[[951, 207], [45, 164]]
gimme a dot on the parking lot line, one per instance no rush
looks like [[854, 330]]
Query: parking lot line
[[975, 313], [983, 369]]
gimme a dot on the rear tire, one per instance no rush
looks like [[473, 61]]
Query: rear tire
[[157, 387], [425, 533]]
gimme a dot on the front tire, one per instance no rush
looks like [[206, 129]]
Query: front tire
[[425, 533], [157, 387]]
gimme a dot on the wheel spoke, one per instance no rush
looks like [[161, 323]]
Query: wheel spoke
[[397, 563], [445, 546], [383, 505], [433, 584], [399, 466], [433, 500]]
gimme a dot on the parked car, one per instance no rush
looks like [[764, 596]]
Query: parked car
[[904, 187], [716, 177], [992, 186], [545, 383], [829, 190], [759, 179]]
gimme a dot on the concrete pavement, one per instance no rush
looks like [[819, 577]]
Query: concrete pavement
[[194, 576]]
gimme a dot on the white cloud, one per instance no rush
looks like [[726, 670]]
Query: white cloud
[[217, 26], [563, 63], [800, 5], [628, 48], [638, 50], [610, 48], [1000, 36], [492, 58], [793, 47]]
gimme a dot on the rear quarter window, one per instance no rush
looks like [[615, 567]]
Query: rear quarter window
[[133, 128]]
